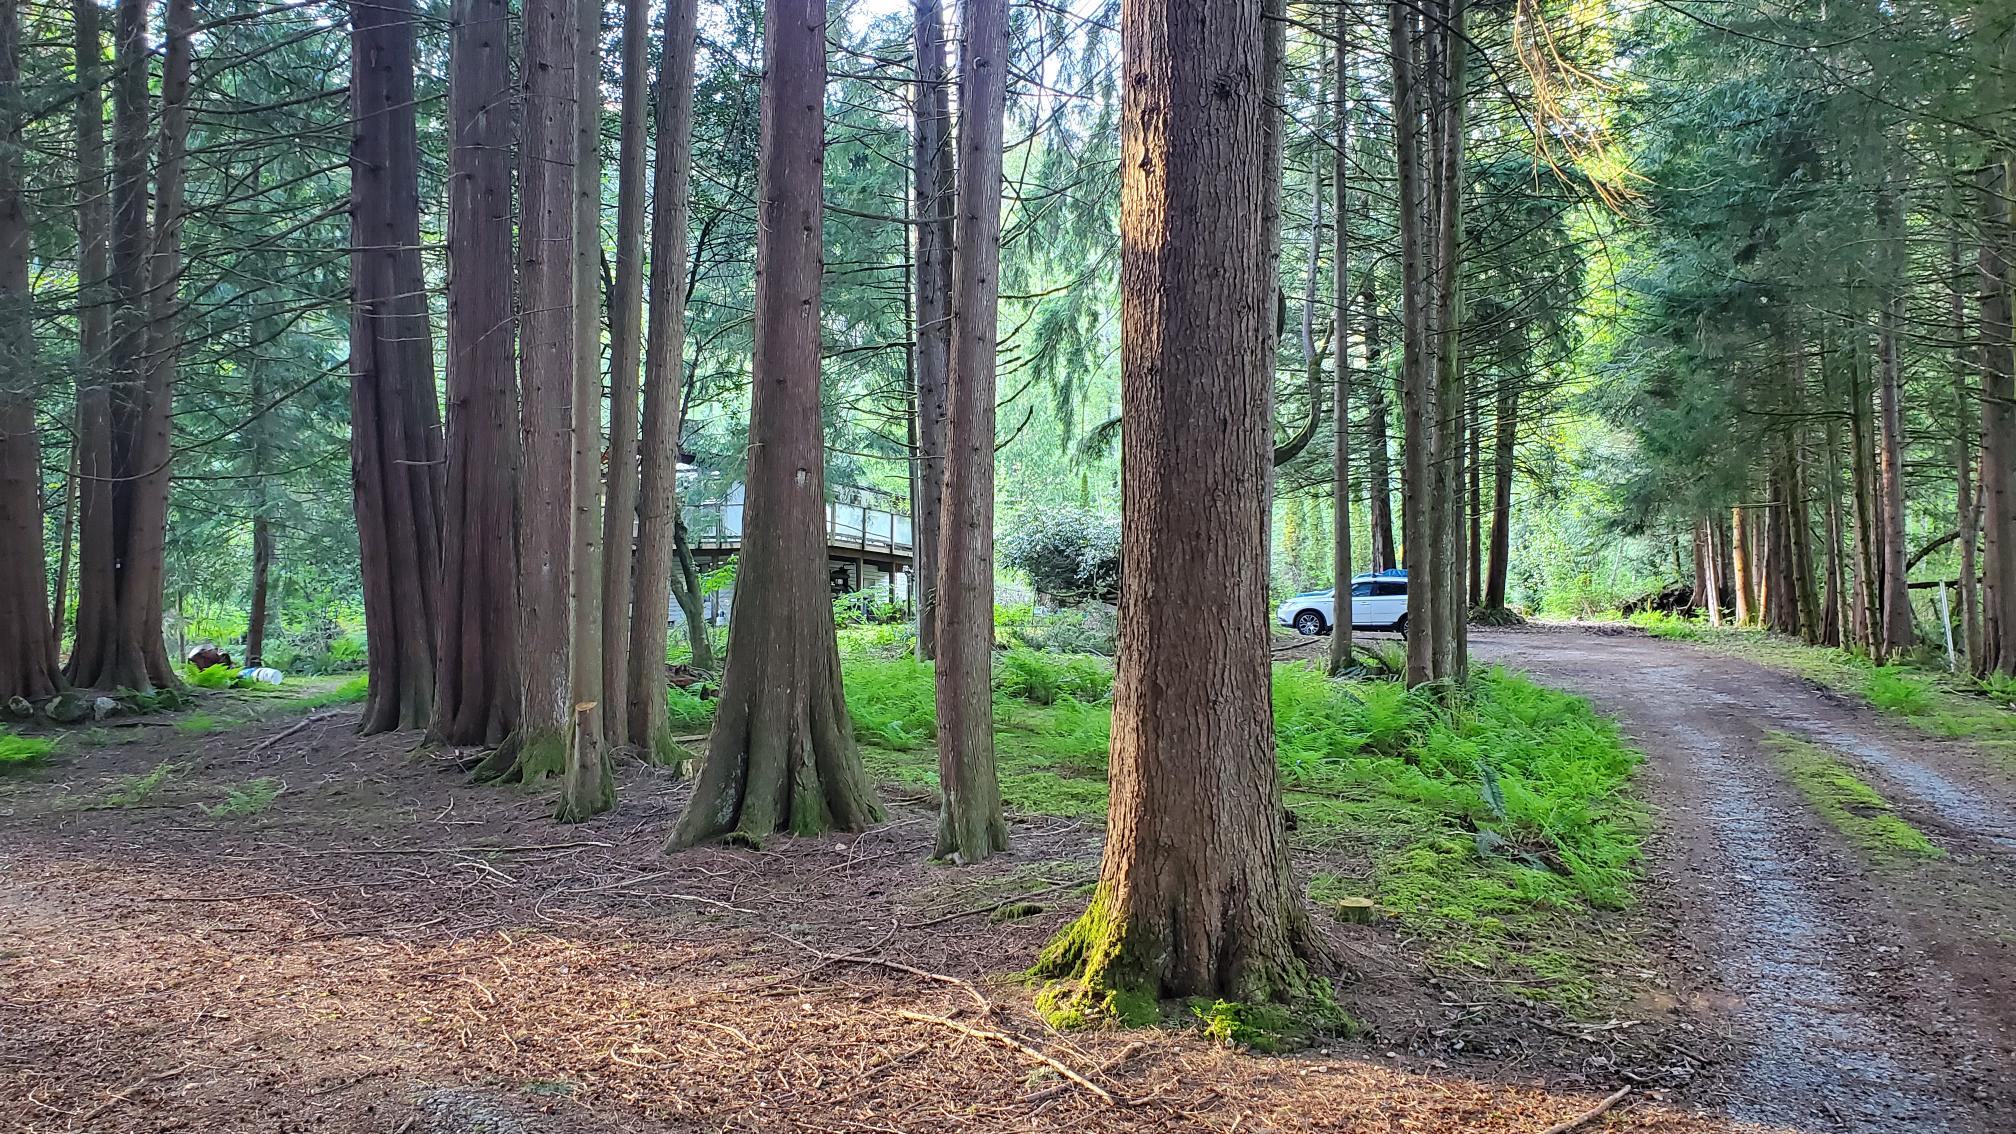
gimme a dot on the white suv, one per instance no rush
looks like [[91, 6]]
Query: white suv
[[1378, 602]]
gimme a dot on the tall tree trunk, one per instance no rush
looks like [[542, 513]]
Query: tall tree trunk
[[395, 449], [1196, 895], [620, 614], [119, 639], [934, 192], [1898, 634], [1868, 605], [1998, 422], [1451, 650], [1340, 339], [1379, 487], [27, 639], [658, 512], [1966, 513], [1741, 570], [546, 364], [970, 824], [1417, 412], [1503, 443], [782, 754], [96, 297], [476, 696], [686, 590], [259, 452], [1474, 468], [1835, 616], [588, 786]]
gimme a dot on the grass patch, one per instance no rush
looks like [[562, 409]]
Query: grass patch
[[23, 751], [1847, 802], [197, 723], [1660, 624], [256, 796], [348, 693]]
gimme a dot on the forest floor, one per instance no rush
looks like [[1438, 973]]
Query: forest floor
[[272, 925]]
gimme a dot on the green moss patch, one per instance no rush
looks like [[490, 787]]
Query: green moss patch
[[1847, 802]]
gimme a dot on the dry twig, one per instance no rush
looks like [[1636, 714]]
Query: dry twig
[[1590, 1115], [1006, 1040]]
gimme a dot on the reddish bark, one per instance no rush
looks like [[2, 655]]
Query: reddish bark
[[395, 422], [1195, 896], [476, 666], [782, 754], [658, 506]]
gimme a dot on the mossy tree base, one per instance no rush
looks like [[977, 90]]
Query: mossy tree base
[[526, 757], [1121, 968]]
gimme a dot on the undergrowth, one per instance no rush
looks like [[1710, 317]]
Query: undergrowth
[[254, 797], [22, 751], [350, 692], [1484, 829], [1847, 802]]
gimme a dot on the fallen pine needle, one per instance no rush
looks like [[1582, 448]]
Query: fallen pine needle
[[1590, 1115], [1006, 1040]]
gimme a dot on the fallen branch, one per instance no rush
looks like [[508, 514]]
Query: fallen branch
[[310, 719], [986, 1006], [1005, 902], [456, 850], [1590, 1115], [1006, 1040], [1126, 1053]]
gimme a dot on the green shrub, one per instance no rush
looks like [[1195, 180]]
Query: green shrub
[[1660, 624], [1896, 689], [892, 701], [1067, 554]]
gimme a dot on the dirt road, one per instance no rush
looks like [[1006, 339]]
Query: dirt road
[[1864, 990]]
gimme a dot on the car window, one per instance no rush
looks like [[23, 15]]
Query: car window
[[1360, 590], [1389, 589]]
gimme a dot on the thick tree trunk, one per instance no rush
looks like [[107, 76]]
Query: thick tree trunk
[[27, 639], [588, 786], [546, 362], [395, 450], [1196, 896], [620, 614], [1998, 422], [1417, 412], [1340, 339], [476, 667], [970, 824], [119, 640], [96, 299], [658, 505], [935, 205], [1503, 443], [782, 754], [1378, 471]]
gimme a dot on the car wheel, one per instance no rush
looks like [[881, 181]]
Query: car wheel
[[1308, 623], [1400, 627]]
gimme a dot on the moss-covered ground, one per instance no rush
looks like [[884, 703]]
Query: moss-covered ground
[[1848, 802]]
